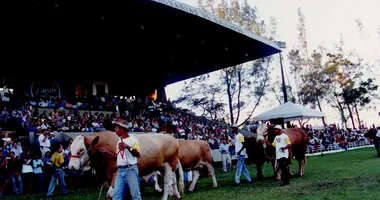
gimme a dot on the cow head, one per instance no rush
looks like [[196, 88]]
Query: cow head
[[80, 147], [371, 133], [262, 132]]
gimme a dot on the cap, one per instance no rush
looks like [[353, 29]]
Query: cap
[[278, 126]]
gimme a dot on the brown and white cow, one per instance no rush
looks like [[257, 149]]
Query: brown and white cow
[[193, 155], [259, 153], [157, 150]]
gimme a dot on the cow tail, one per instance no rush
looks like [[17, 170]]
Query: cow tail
[[181, 182]]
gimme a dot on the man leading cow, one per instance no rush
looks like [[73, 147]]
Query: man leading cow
[[282, 144], [128, 151]]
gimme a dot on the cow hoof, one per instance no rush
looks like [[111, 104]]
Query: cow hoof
[[160, 190], [190, 190]]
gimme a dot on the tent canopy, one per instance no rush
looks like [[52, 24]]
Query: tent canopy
[[289, 111], [161, 41]]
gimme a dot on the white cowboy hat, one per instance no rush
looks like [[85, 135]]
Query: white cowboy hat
[[234, 126], [121, 122], [278, 127]]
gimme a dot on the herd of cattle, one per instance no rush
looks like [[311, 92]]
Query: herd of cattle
[[163, 153]]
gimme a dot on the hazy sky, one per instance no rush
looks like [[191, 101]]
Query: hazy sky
[[325, 20]]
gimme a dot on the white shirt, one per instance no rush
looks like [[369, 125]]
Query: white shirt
[[17, 151], [127, 158], [37, 170], [239, 139], [42, 143], [378, 133], [279, 142]]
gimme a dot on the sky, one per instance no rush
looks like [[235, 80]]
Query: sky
[[326, 21]]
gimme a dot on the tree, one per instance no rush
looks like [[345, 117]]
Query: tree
[[307, 71], [203, 97], [361, 96], [244, 84]]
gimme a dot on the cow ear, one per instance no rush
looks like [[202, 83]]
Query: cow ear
[[95, 141], [107, 152]]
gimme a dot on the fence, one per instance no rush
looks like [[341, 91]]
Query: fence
[[331, 147]]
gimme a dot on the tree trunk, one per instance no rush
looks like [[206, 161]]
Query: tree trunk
[[352, 118], [238, 98], [228, 84], [320, 109], [357, 115]]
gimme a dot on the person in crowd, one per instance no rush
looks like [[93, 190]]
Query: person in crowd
[[57, 161], [226, 158], [128, 151], [27, 172], [15, 167], [38, 175], [282, 144], [240, 155], [4, 177], [44, 142]]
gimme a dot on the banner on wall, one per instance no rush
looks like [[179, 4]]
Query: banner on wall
[[45, 89]]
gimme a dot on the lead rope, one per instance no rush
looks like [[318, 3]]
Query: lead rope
[[100, 193], [129, 168]]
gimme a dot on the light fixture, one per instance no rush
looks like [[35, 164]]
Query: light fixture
[[142, 27], [226, 48], [246, 55]]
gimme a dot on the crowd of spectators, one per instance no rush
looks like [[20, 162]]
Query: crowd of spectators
[[21, 164]]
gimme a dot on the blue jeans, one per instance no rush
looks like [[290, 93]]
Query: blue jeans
[[127, 178], [58, 174], [241, 168], [14, 179]]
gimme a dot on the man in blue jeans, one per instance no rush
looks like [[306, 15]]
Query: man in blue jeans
[[240, 155], [57, 162], [128, 151]]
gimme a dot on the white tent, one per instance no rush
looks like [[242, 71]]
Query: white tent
[[289, 111]]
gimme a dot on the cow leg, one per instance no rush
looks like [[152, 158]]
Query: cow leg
[[301, 166], [168, 181], [259, 175], [290, 172], [211, 171], [174, 186], [156, 186], [195, 179]]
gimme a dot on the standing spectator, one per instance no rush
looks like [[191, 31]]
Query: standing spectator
[[57, 161], [15, 166], [27, 172], [44, 142], [38, 176], [226, 158]]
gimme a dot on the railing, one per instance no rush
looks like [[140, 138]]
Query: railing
[[331, 147]]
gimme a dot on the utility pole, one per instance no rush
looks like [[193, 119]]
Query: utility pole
[[282, 45], [283, 81]]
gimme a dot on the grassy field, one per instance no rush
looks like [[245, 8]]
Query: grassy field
[[348, 175]]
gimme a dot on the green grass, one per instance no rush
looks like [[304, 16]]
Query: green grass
[[347, 175]]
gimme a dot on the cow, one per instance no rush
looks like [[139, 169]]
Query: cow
[[371, 133], [97, 150], [193, 155], [259, 153]]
